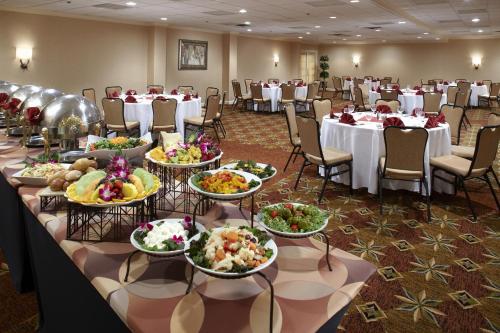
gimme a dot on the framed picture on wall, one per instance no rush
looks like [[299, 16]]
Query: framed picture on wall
[[193, 54]]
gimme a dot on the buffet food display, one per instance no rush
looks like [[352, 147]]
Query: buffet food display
[[225, 184], [261, 170]]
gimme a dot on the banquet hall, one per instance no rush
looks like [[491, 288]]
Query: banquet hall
[[249, 166]]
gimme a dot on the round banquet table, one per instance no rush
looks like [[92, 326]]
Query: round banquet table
[[476, 91], [365, 141], [142, 111], [274, 93], [348, 85], [409, 100]]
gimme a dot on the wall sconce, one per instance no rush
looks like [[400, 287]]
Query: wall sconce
[[355, 60], [476, 62], [24, 55], [276, 59]]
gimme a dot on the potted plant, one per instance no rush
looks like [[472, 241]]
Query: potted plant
[[323, 64]]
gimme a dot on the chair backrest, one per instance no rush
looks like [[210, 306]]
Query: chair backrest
[[256, 90], [405, 148], [211, 91], [237, 89], [393, 104], [360, 81], [385, 82], [212, 104], [113, 111], [110, 91], [185, 89], [223, 102], [309, 136], [321, 108], [388, 94], [358, 97], [272, 80], [453, 116], [89, 93], [463, 85], [156, 87], [493, 119], [164, 112], [432, 101], [428, 87], [368, 77], [388, 78], [486, 149], [462, 98], [248, 82], [287, 91], [364, 89], [337, 83], [293, 132], [432, 82], [451, 94], [488, 84], [495, 89], [312, 90]]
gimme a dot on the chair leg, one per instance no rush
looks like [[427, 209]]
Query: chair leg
[[297, 154], [350, 178], [492, 190], [380, 197], [469, 202], [327, 176], [216, 132], [300, 174], [222, 128], [495, 176], [428, 198], [289, 158]]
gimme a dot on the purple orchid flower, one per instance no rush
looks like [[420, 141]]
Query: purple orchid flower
[[186, 223], [178, 239], [119, 162], [106, 193], [145, 226], [172, 153], [121, 173]]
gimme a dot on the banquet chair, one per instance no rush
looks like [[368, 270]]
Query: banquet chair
[[248, 82], [272, 81], [218, 117], [206, 121], [287, 95], [432, 103], [112, 90], [463, 85], [295, 81], [359, 100], [89, 93], [158, 88], [388, 94], [428, 87], [114, 117], [337, 85], [239, 97], [462, 100], [312, 94], [453, 116], [494, 92], [404, 160], [368, 77], [451, 94], [394, 104], [365, 90], [209, 92], [488, 84], [432, 82], [185, 89], [293, 133], [314, 154], [462, 169], [388, 78], [257, 98], [360, 81], [321, 108], [163, 115], [384, 82]]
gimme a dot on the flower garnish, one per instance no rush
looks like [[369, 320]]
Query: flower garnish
[[119, 162], [106, 193], [172, 153], [187, 224], [121, 173], [178, 239], [145, 226]]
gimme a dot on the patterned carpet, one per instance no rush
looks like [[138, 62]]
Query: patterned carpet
[[437, 277]]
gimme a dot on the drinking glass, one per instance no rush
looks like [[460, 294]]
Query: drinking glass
[[400, 110], [373, 107], [351, 108]]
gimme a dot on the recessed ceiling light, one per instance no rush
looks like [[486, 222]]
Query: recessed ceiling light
[[333, 17], [377, 30], [402, 22], [249, 30], [475, 20], [317, 26], [358, 35], [248, 22], [344, 39], [163, 18], [308, 33], [300, 37], [334, 42], [354, 1], [426, 33], [480, 30], [383, 41], [419, 37], [131, 3], [243, 11], [437, 38]]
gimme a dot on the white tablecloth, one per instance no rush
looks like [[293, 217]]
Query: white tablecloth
[[274, 93], [350, 84], [476, 91], [366, 144], [409, 100], [142, 111]]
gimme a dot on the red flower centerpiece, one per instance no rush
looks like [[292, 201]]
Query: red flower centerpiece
[[174, 92], [186, 98], [4, 97], [266, 85], [153, 91], [161, 98], [34, 116], [12, 106], [130, 99], [383, 108], [131, 92]]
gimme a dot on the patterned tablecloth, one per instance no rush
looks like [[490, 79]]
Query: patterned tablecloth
[[306, 293]]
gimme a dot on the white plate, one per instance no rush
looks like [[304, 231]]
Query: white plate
[[35, 181], [289, 234], [232, 166], [183, 166], [199, 227], [248, 176], [269, 245]]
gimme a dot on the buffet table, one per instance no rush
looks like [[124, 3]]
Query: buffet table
[[142, 111], [409, 100], [365, 141], [80, 285]]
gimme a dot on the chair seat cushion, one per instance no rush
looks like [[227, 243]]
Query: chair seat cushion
[[455, 165], [246, 96], [286, 101], [261, 100], [198, 121], [463, 151], [158, 128], [130, 125], [332, 156], [400, 173]]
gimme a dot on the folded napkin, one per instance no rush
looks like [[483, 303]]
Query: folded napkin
[[196, 95], [445, 83], [34, 115], [440, 81], [379, 90], [432, 122], [479, 83], [131, 92], [415, 111], [436, 90], [383, 108], [130, 99], [347, 79], [3, 97], [441, 118], [374, 80], [400, 92], [276, 82], [153, 91], [416, 88], [266, 85], [419, 92], [378, 79], [347, 118], [114, 94], [186, 98], [174, 92], [289, 82], [393, 121], [300, 84], [161, 98]]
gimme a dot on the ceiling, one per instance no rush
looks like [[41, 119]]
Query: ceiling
[[309, 20]]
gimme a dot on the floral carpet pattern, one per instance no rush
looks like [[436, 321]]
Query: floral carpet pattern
[[442, 276]]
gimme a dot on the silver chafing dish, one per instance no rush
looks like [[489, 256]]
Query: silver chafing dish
[[2, 82], [23, 93], [9, 89]]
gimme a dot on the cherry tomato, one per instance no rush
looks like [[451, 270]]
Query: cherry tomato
[[274, 213], [294, 227], [289, 206]]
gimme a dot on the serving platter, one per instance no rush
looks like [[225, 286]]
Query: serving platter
[[232, 167], [233, 196]]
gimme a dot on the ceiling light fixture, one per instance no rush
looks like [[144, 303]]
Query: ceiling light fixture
[[475, 20], [317, 26], [426, 33], [300, 37], [358, 35], [344, 39], [163, 18], [354, 1], [402, 22], [333, 17], [308, 33], [243, 11], [437, 38], [248, 22], [419, 37], [480, 30], [131, 3], [383, 41], [377, 30], [249, 30]]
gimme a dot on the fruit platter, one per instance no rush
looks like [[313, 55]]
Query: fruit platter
[[38, 174], [165, 237], [293, 220], [261, 170], [231, 252], [118, 184], [197, 151], [105, 148], [225, 184]]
